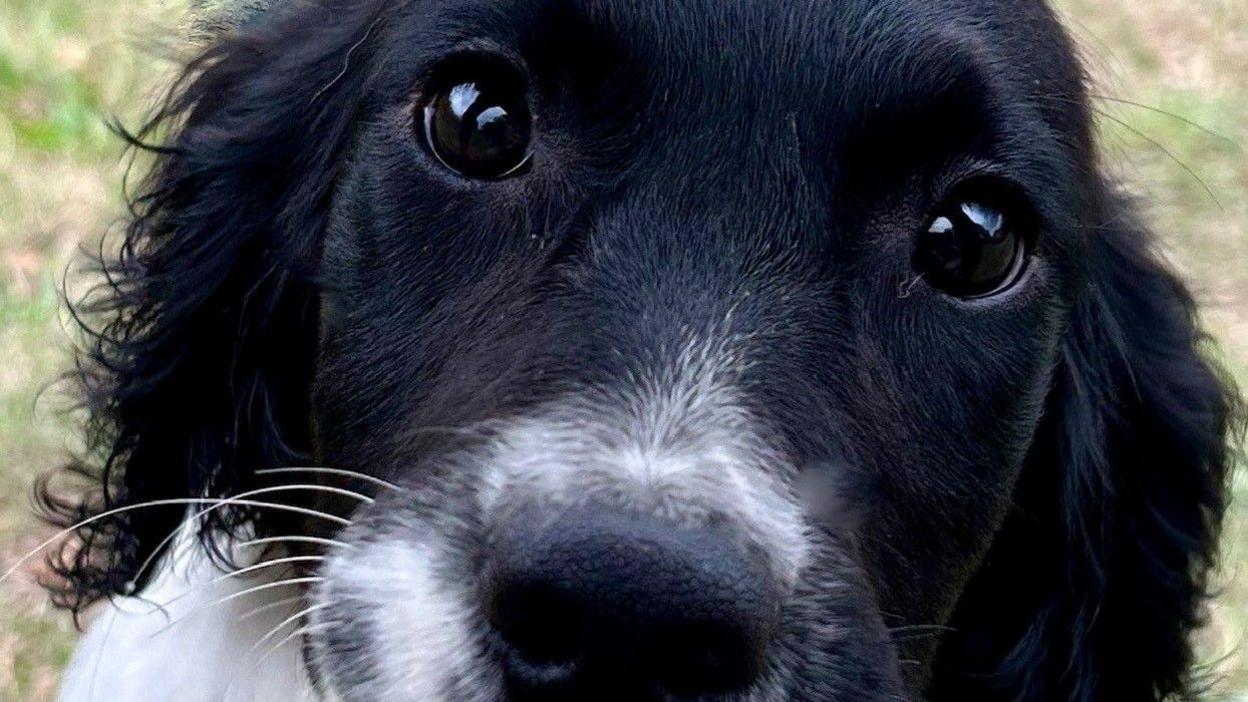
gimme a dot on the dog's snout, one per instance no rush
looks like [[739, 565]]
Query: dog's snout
[[599, 604]]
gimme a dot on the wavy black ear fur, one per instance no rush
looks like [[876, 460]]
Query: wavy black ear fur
[[1100, 575], [202, 343], [202, 335]]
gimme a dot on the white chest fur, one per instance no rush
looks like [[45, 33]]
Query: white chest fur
[[201, 647]]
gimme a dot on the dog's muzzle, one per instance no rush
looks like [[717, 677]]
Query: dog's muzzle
[[597, 603]]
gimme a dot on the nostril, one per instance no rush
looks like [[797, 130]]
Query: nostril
[[538, 622], [540, 639], [707, 658]]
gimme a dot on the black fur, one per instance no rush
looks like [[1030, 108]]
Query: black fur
[[299, 283], [1097, 577]]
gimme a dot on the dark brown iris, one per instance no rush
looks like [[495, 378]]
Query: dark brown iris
[[480, 127], [970, 249]]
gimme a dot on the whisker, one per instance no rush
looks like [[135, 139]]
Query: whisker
[[919, 627], [1155, 143], [315, 540], [332, 471], [470, 431], [1167, 152], [168, 502], [267, 586], [237, 572], [302, 631], [226, 501], [917, 632], [266, 607], [292, 618], [242, 593], [293, 635], [1172, 115], [310, 487], [919, 636], [264, 564]]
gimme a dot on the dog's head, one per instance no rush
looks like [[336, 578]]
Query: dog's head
[[708, 351]]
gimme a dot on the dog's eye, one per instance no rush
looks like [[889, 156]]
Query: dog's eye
[[974, 246], [479, 123]]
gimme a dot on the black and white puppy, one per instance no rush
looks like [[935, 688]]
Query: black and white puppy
[[645, 350]]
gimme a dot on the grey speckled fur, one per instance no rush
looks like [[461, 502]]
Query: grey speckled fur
[[210, 18]]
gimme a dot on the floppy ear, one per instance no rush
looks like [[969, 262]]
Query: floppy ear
[[1097, 579], [202, 335]]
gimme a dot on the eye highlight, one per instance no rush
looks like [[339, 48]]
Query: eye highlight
[[975, 245], [478, 122]]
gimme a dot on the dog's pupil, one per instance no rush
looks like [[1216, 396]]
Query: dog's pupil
[[969, 250], [479, 128]]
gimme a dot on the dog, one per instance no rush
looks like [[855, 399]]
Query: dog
[[501, 351]]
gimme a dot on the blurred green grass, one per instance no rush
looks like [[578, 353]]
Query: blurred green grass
[[67, 65]]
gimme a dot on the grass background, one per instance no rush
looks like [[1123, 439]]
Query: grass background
[[66, 65]]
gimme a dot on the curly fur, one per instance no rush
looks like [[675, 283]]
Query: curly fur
[[203, 341], [203, 329]]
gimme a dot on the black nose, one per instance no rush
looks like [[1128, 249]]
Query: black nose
[[596, 604]]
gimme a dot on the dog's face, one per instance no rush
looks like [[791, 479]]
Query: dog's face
[[706, 341], [746, 351]]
